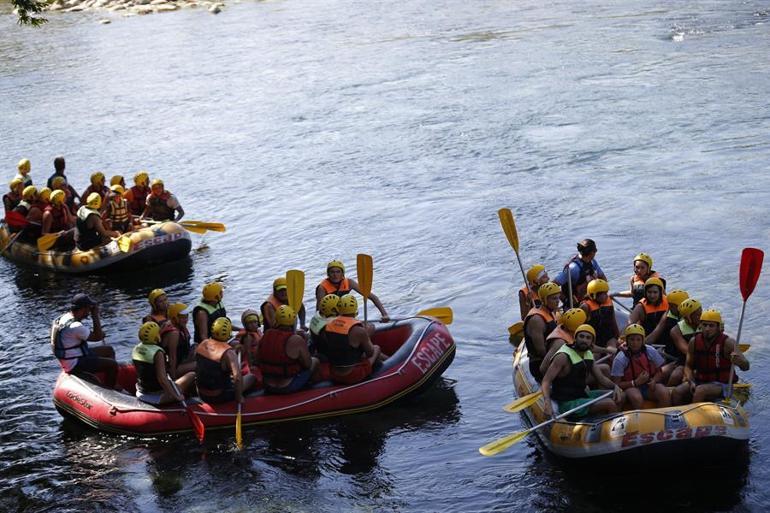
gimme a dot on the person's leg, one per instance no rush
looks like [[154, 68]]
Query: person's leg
[[707, 392], [103, 351], [676, 376], [681, 394], [185, 382], [635, 398], [662, 395], [604, 406]]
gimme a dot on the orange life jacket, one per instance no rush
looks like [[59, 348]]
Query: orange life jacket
[[653, 313], [341, 288], [560, 333]]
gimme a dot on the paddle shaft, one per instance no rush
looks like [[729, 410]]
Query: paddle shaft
[[195, 421], [569, 284], [732, 363], [524, 275], [624, 307]]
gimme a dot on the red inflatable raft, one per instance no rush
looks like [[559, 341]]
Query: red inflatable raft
[[421, 350]]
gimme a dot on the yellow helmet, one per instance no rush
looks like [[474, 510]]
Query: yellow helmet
[[328, 305], [347, 305], [285, 316], [596, 287], [688, 306], [97, 178], [24, 166], [29, 193], [634, 329], [548, 289], [176, 309], [676, 296], [250, 315], [149, 333], [711, 315], [141, 178], [655, 281], [45, 194], [534, 272], [57, 197], [117, 180], [94, 200], [644, 257], [279, 283], [586, 328], [156, 181], [212, 291], [222, 329], [117, 189], [335, 263], [573, 318], [58, 181], [154, 295], [15, 183]]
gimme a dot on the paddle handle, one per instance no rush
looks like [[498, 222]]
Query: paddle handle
[[732, 363]]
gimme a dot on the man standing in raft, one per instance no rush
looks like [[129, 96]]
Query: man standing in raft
[[538, 324], [709, 357], [581, 269], [69, 341], [565, 379], [336, 283]]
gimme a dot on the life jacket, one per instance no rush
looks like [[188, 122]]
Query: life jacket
[[10, 201], [271, 300], [573, 385], [318, 322], [338, 348], [58, 217], [602, 318], [638, 363], [209, 374], [35, 227], [214, 312], [183, 344], [530, 295], [86, 238], [26, 179], [550, 325], [143, 356], [159, 209], [118, 212], [579, 287], [637, 285], [256, 337], [104, 192], [341, 288], [138, 199], [710, 363], [70, 350], [272, 357], [653, 313], [559, 333], [22, 207]]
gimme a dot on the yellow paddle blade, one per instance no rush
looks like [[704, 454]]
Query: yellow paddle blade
[[214, 227], [124, 243], [509, 227], [295, 285], [365, 273], [744, 347], [239, 429], [501, 444], [514, 329], [743, 386], [442, 313], [523, 402], [194, 228], [45, 242]]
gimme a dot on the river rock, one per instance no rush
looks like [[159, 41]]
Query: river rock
[[215, 9], [105, 21], [56, 6], [142, 9], [166, 7]]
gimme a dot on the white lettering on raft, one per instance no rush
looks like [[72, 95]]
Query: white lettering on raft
[[430, 352], [156, 240]]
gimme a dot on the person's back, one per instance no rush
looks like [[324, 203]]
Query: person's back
[[283, 356], [215, 365], [12, 198], [208, 310]]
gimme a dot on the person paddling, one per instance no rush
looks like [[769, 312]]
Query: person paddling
[[710, 355], [528, 298], [580, 269], [153, 385], [69, 341], [336, 283], [642, 272], [565, 379], [539, 323], [59, 166]]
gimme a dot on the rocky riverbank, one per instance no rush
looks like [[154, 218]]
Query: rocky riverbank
[[133, 7]]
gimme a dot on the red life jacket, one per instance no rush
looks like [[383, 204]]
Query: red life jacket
[[638, 363], [138, 199], [159, 209], [256, 336], [710, 362], [341, 288], [58, 218], [273, 360]]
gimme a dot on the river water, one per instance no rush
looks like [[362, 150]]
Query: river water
[[317, 130]]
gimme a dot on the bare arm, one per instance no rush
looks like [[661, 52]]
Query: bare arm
[[535, 328], [180, 213], [235, 373], [302, 317], [373, 297], [601, 378], [47, 220], [557, 343], [319, 295], [688, 365], [202, 324], [554, 369], [296, 347], [268, 312], [162, 376], [731, 351], [171, 339], [524, 304], [96, 333], [679, 341], [637, 315]]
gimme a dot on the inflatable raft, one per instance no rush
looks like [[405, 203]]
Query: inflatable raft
[[712, 432], [157, 244], [420, 348]]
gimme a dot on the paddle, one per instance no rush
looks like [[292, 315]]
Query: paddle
[[509, 227], [295, 287], [238, 419], [624, 307], [523, 402], [516, 333], [365, 272], [214, 227], [442, 313], [197, 424], [751, 267], [501, 444]]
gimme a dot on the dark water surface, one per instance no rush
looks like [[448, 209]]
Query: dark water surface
[[325, 128]]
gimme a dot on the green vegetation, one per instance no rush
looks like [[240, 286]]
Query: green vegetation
[[27, 9]]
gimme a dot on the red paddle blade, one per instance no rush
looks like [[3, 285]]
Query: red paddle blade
[[197, 424], [16, 219], [751, 266]]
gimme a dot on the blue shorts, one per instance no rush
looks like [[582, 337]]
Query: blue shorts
[[151, 398], [297, 383]]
